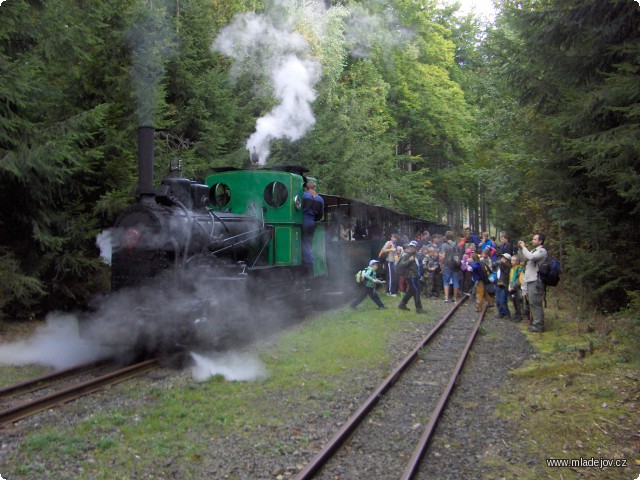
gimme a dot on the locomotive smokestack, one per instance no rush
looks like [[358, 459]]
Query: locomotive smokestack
[[255, 158], [145, 162]]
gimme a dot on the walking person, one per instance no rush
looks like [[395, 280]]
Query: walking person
[[409, 262], [535, 287], [369, 286]]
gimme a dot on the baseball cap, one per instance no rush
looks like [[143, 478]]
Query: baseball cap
[[373, 262]]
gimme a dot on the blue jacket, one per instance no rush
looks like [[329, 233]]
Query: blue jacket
[[476, 276], [312, 208], [488, 243]]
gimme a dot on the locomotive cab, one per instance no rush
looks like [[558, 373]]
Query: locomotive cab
[[274, 196]]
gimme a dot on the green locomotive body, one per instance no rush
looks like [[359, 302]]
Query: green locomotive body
[[274, 196]]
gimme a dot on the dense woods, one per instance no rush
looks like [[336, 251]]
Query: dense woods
[[529, 124]]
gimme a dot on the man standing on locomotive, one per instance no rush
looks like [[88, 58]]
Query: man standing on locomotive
[[312, 212]]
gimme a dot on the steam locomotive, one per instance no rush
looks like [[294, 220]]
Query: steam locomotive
[[237, 236]]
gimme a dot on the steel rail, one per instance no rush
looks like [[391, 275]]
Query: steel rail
[[418, 453], [35, 383], [26, 409], [354, 420]]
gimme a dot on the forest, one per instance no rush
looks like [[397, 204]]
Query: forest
[[528, 123]]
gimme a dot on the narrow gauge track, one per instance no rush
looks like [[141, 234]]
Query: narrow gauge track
[[63, 386], [393, 440]]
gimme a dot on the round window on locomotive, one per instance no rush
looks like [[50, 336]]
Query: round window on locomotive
[[219, 195], [276, 194]]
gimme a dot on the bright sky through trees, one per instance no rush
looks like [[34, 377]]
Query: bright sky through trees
[[483, 8]]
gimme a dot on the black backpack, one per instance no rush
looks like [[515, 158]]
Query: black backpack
[[454, 260], [485, 271], [549, 271], [402, 268]]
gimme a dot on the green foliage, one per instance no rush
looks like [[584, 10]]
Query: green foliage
[[573, 67], [17, 288]]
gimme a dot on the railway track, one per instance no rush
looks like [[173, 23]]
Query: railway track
[[60, 387], [398, 419]]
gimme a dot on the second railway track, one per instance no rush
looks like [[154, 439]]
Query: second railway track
[[50, 390], [396, 422]]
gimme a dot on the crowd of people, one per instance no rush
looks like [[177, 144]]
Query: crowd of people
[[501, 274]]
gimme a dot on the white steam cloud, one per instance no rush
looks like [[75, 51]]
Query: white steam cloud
[[293, 81], [364, 31], [259, 46], [57, 344], [104, 243], [232, 366], [267, 46]]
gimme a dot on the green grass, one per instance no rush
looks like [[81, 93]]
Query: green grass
[[568, 404], [305, 367]]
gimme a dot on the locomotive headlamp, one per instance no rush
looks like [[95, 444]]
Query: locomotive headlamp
[[297, 202]]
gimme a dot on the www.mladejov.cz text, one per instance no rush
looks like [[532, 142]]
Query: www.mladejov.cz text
[[587, 462]]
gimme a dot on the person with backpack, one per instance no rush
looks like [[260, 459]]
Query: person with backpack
[[535, 287], [451, 270], [480, 274], [368, 287], [410, 268]]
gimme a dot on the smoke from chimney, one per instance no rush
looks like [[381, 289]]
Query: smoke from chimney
[[265, 47]]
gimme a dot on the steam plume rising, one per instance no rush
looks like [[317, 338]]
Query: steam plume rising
[[260, 47], [152, 43]]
